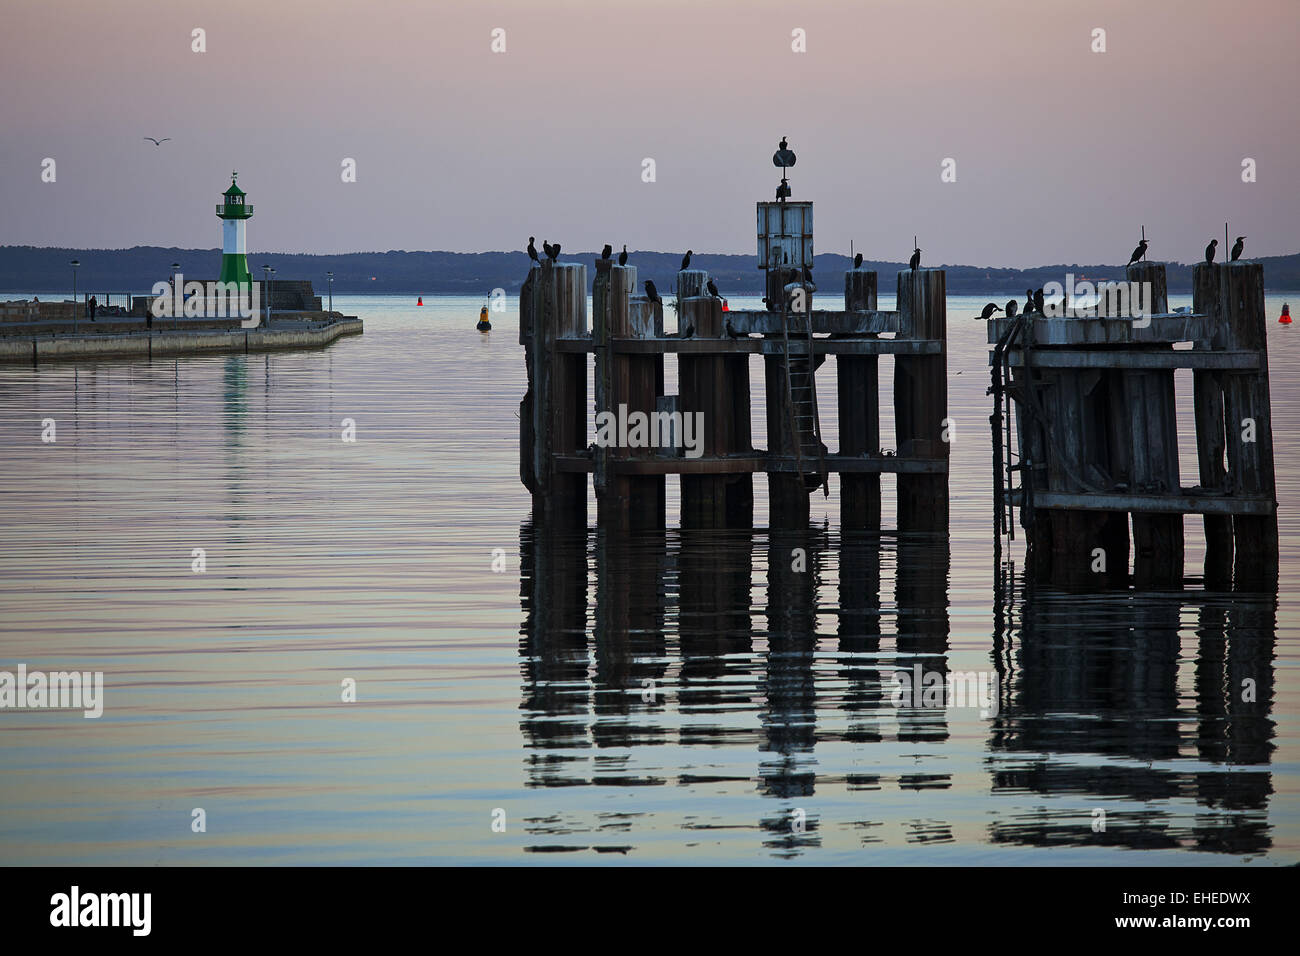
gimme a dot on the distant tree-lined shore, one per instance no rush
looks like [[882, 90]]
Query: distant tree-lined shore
[[26, 268]]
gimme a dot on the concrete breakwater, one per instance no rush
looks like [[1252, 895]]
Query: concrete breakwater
[[54, 347]]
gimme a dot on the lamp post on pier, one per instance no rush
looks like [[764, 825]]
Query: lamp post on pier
[[74, 263], [330, 277]]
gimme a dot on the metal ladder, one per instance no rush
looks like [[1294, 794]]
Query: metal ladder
[[801, 402]]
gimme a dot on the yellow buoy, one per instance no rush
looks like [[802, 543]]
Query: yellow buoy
[[483, 324]]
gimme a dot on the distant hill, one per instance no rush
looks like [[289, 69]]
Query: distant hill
[[26, 268]]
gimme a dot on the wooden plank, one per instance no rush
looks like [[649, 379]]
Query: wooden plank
[[725, 346], [824, 322], [1162, 330], [1185, 502], [741, 464], [1145, 359]]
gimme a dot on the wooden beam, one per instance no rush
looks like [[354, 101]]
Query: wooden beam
[[1237, 361], [1187, 502]]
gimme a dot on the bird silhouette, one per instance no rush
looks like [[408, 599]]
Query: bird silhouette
[[689, 333], [731, 332], [1029, 301], [713, 289], [532, 249], [1209, 250], [652, 293], [686, 261], [554, 251], [1237, 248], [857, 261], [1012, 308], [607, 251], [622, 256], [1139, 252], [990, 309], [546, 249], [783, 190], [915, 262], [1038, 302], [156, 142]]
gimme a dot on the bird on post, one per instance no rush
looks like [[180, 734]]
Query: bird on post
[[686, 261], [857, 261], [713, 289], [1038, 302], [622, 256], [1237, 248], [1029, 301], [532, 250], [989, 310], [1139, 252], [1209, 250], [731, 331], [783, 190], [546, 249], [607, 252], [689, 333], [1012, 308], [915, 262], [554, 251], [652, 293]]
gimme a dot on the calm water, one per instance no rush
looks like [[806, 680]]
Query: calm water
[[682, 697]]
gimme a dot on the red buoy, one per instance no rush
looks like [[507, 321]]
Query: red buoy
[[1285, 317], [420, 301]]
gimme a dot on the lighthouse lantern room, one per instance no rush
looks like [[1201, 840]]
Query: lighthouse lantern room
[[234, 212]]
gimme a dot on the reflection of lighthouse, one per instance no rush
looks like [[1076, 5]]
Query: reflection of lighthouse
[[234, 213]]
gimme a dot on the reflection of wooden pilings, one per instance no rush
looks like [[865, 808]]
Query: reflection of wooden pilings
[[1148, 424], [1233, 293], [716, 387], [559, 392], [921, 400], [858, 381]]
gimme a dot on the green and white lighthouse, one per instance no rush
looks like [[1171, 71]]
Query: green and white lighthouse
[[234, 213]]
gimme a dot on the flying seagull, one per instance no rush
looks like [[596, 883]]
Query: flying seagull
[[1237, 247], [1209, 250], [156, 142]]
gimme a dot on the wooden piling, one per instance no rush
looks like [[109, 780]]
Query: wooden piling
[[717, 387], [1211, 441], [1239, 314], [560, 392], [1150, 424], [921, 400], [858, 386]]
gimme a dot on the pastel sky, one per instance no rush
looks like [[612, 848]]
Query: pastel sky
[[1061, 153]]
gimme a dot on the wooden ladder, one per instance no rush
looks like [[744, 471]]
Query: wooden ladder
[[801, 402]]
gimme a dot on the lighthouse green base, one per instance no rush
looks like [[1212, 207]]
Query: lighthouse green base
[[234, 268]]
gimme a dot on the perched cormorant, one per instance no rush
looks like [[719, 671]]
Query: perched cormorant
[[857, 261], [622, 256], [532, 250], [1209, 250], [1139, 252], [783, 190], [555, 251], [807, 275], [1038, 302], [915, 262], [1012, 308], [713, 289], [731, 332], [607, 251], [652, 293], [1237, 247], [1029, 301], [546, 249], [990, 309], [690, 331], [686, 260]]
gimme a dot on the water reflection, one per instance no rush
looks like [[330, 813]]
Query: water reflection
[[724, 661], [1096, 709]]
